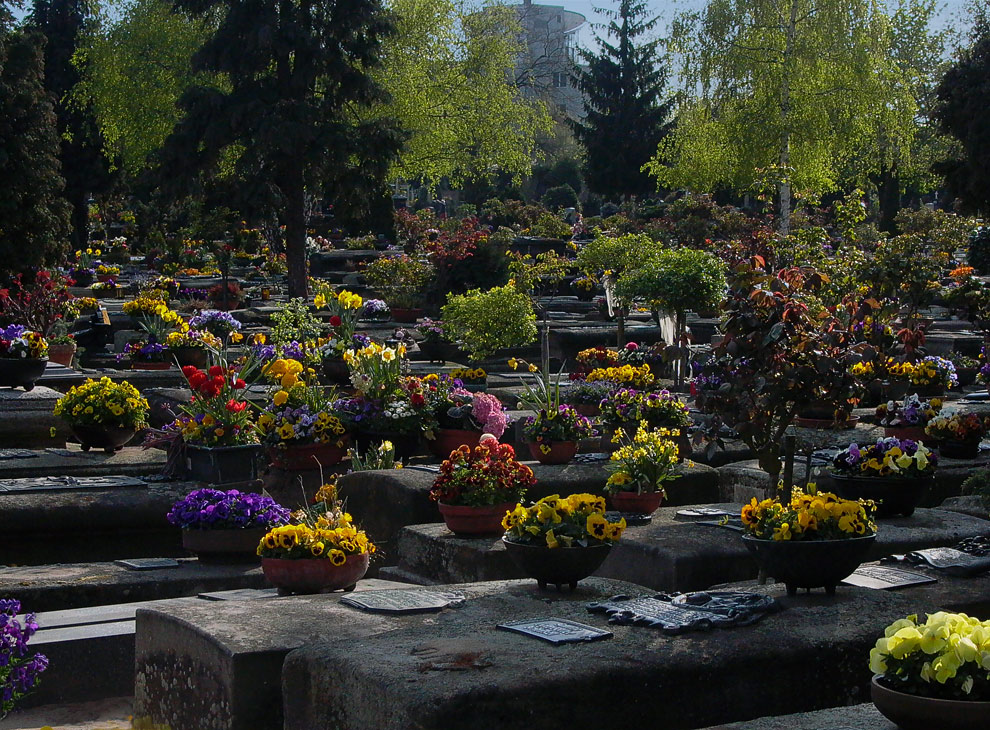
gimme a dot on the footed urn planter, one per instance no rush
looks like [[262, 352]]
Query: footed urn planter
[[108, 438], [21, 372], [561, 452], [912, 712], [561, 566], [893, 496], [231, 545], [314, 575], [809, 563], [474, 521]]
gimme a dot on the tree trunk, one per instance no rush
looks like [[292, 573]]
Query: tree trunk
[[79, 201], [888, 198], [294, 195], [784, 161]]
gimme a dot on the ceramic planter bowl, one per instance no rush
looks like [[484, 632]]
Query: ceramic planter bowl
[[557, 566], [809, 563], [560, 452], [911, 712], [21, 372], [108, 438], [314, 575]]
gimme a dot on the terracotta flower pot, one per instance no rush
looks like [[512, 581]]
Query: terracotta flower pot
[[912, 712], [306, 457], [893, 496], [450, 439], [910, 433], [108, 438], [62, 353], [809, 563], [646, 503], [195, 356], [314, 575], [560, 452], [21, 372], [406, 316], [224, 545], [143, 365], [474, 521], [959, 449], [557, 566]]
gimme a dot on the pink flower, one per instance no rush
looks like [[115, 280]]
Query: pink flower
[[487, 410], [632, 346]]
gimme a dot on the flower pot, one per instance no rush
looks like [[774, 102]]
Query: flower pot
[[474, 521], [449, 439], [406, 444], [335, 371], [62, 354], [809, 563], [194, 356], [476, 386], [893, 496], [21, 372], [438, 352], [314, 575], [145, 365], [646, 503], [909, 433], [306, 457], [82, 278], [224, 545], [106, 277], [560, 452], [108, 438], [959, 449], [913, 712], [587, 410], [222, 464], [967, 376], [406, 316], [557, 566], [584, 295], [935, 390], [897, 389]]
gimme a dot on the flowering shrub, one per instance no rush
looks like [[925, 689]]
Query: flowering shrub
[[809, 516], [549, 427], [911, 412], [957, 427], [931, 370], [206, 509], [642, 463], [103, 403], [486, 321], [454, 407], [216, 415], [488, 474], [18, 342], [38, 301], [661, 409], [889, 457], [18, 672], [628, 375], [575, 521], [944, 657]]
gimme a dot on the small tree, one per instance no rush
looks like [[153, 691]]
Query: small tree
[[486, 321]]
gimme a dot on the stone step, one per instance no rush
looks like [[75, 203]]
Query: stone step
[[669, 554]]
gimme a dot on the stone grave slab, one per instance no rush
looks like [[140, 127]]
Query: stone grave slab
[[668, 554], [403, 678], [73, 461], [26, 418], [855, 717]]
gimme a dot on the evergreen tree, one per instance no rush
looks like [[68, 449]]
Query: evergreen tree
[[33, 214], [626, 112], [294, 72], [81, 147]]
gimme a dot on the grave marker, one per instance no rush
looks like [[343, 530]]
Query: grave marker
[[556, 630], [397, 601]]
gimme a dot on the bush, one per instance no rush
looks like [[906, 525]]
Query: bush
[[979, 250], [978, 483], [486, 321], [562, 196], [294, 322], [677, 280]]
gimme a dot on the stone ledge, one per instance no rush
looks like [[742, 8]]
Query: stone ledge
[[73, 461], [854, 717]]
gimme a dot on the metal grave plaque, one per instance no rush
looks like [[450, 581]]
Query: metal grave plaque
[[68, 484], [703, 513], [950, 560], [633, 519], [240, 594], [882, 577], [556, 630], [17, 454], [147, 563], [402, 600], [700, 611]]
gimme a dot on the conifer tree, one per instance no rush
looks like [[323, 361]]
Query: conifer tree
[[627, 114]]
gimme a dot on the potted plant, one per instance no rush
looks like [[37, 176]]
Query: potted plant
[[476, 487], [323, 552], [485, 322], [218, 323], [627, 408], [190, 347], [967, 368], [298, 426], [553, 433], [376, 310], [585, 398], [401, 280], [62, 346], [146, 355], [907, 419], [813, 540], [593, 358], [103, 414], [104, 289], [958, 434], [461, 416], [929, 376], [19, 670], [894, 473], [106, 273], [639, 468], [23, 357], [585, 288], [558, 540], [865, 373], [225, 526], [931, 674], [434, 345], [471, 379], [226, 297], [344, 307], [640, 377]]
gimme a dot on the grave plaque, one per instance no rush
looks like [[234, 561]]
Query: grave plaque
[[949, 560], [147, 563], [403, 601], [239, 594], [556, 630], [68, 484], [633, 519], [17, 454], [699, 611], [707, 513], [882, 577]]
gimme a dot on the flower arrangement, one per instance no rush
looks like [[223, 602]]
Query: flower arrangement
[[214, 509], [232, 293], [187, 337], [402, 409], [488, 474], [323, 530], [863, 371], [629, 375], [147, 304], [660, 409], [104, 287], [575, 521], [636, 354], [644, 462], [810, 515], [85, 304], [469, 376], [957, 427], [454, 407], [18, 671], [375, 370], [433, 330], [889, 457], [103, 403], [104, 270], [912, 411], [374, 308], [216, 415], [549, 427], [930, 370], [344, 308], [16, 341], [584, 284], [594, 358], [218, 323], [582, 393], [298, 411], [150, 351], [944, 657]]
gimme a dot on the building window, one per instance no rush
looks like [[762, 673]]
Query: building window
[[559, 79]]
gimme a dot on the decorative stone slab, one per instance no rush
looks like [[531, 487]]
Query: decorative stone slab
[[147, 563], [557, 630], [401, 601]]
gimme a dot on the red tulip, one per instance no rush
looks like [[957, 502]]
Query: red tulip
[[335, 321]]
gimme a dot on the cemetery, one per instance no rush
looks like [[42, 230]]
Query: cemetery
[[351, 379]]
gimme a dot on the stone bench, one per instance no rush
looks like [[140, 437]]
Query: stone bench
[[667, 555]]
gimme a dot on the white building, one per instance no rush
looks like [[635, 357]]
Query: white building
[[545, 68]]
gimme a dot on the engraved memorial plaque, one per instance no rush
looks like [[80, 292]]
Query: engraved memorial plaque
[[703, 513], [950, 560], [17, 454], [147, 563], [402, 600], [239, 594], [882, 577], [700, 611], [68, 484], [556, 630]]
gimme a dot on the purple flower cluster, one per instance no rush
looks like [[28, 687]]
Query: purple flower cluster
[[215, 321], [197, 295], [18, 672], [374, 306], [205, 509], [146, 352]]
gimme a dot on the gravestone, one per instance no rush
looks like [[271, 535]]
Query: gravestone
[[26, 418]]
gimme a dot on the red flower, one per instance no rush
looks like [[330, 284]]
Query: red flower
[[236, 407], [216, 370], [189, 370], [239, 384], [335, 321], [197, 379]]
